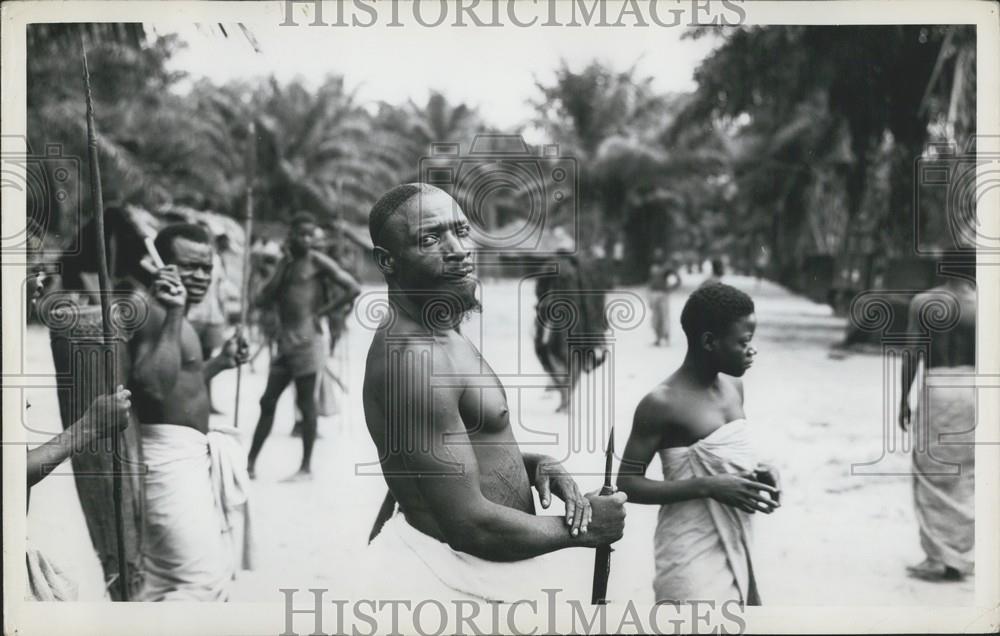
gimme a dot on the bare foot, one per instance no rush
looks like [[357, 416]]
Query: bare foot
[[302, 475], [251, 472], [934, 572]]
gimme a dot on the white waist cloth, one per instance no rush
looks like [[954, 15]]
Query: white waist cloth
[[702, 547], [197, 533], [411, 564]]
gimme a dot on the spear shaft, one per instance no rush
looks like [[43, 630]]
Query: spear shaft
[[107, 336], [602, 557], [247, 229]]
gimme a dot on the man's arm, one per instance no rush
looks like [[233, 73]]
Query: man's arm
[[440, 459], [339, 275], [547, 475], [107, 414], [157, 345], [235, 352], [909, 370]]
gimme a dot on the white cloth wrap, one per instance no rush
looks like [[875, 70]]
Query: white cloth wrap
[[197, 513], [410, 564], [944, 462], [701, 547]]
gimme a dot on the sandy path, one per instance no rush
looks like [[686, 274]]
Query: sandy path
[[839, 539]]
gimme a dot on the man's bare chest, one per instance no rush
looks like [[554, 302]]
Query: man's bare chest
[[191, 353], [483, 402]]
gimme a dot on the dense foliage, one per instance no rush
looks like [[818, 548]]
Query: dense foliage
[[798, 141]]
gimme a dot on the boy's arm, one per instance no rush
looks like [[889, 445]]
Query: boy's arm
[[644, 441], [647, 437]]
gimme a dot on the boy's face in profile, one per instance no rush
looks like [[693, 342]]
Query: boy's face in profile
[[733, 352]]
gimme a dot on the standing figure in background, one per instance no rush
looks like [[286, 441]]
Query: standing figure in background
[[718, 271], [296, 291], [944, 425], [663, 278], [570, 303]]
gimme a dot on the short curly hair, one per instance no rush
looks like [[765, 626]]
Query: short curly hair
[[713, 308], [164, 241], [388, 204], [302, 217]]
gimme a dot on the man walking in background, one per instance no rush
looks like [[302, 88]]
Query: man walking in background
[[296, 290], [944, 425]]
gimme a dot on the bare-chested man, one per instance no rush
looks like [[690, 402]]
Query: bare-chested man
[[188, 552], [439, 417], [712, 482], [944, 422], [296, 290]]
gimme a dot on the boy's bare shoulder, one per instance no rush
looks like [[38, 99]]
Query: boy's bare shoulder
[[659, 408]]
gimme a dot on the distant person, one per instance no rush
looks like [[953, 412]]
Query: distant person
[[712, 481], [718, 271], [944, 464], [107, 415], [761, 264], [663, 278], [296, 290], [570, 305]]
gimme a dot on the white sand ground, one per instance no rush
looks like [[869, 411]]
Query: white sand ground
[[839, 539]]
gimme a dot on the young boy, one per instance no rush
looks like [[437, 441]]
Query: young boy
[[712, 482]]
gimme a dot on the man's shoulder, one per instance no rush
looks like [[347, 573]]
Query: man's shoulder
[[410, 346]]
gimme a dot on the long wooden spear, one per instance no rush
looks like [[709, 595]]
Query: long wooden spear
[[251, 157], [107, 336]]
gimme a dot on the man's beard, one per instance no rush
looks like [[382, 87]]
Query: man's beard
[[449, 304]]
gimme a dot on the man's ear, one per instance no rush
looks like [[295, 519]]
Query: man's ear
[[384, 260], [708, 342]]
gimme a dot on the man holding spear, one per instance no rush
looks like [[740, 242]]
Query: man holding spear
[[440, 420]]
